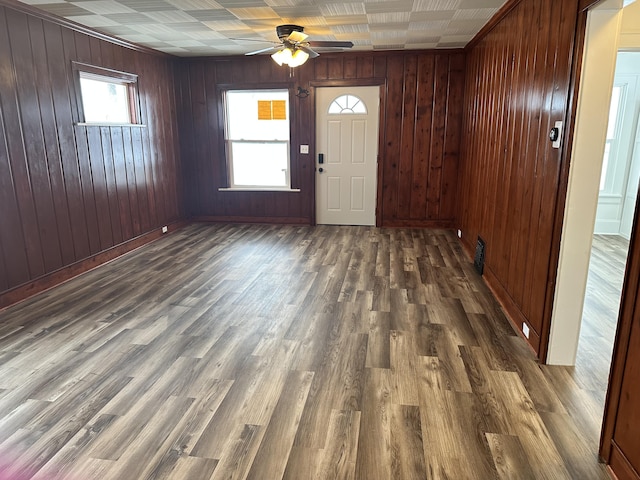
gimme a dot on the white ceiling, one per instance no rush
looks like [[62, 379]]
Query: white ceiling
[[208, 27]]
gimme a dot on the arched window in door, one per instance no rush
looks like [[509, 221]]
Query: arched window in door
[[347, 104]]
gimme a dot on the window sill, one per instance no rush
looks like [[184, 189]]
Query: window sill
[[90, 124], [257, 189]]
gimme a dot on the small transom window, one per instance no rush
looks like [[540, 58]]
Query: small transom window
[[107, 96], [347, 104]]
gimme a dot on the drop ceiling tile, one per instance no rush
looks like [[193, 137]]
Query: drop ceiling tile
[[346, 29], [305, 21], [250, 13], [65, 9], [429, 26], [241, 3], [475, 13], [481, 3], [206, 35], [432, 15], [214, 23], [388, 7], [422, 46], [435, 5], [139, 38], [422, 37], [297, 11], [347, 20], [130, 18], [226, 25], [147, 5], [456, 39], [211, 15], [392, 17], [94, 21], [170, 16], [195, 4], [187, 43], [104, 7], [42, 3], [467, 26], [342, 9], [289, 3], [389, 28]]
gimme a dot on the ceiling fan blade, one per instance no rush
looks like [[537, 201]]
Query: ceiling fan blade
[[263, 50], [255, 40], [297, 37], [312, 53], [330, 44]]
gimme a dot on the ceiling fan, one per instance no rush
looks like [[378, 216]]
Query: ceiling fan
[[294, 49]]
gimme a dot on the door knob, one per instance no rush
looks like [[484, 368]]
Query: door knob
[[321, 169]]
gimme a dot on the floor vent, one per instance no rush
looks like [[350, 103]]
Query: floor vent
[[478, 261]]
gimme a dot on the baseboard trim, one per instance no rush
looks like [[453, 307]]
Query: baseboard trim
[[50, 280], [240, 219], [509, 307], [444, 224]]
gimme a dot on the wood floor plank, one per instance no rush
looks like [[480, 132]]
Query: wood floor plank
[[295, 352], [374, 444], [271, 458]]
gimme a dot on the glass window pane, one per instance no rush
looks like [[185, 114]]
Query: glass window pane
[[104, 101], [243, 119], [613, 112], [347, 104], [260, 164]]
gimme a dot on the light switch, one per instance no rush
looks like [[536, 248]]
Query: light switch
[[304, 149]]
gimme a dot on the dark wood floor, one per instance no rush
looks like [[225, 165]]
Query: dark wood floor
[[268, 352]]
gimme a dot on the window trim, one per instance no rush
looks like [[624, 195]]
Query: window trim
[[130, 80], [226, 150]]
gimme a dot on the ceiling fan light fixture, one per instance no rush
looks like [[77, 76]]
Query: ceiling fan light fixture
[[298, 58], [291, 57]]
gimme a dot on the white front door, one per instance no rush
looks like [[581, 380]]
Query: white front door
[[346, 155]]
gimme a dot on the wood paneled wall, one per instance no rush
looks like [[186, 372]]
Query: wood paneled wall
[[517, 86], [421, 114], [70, 193]]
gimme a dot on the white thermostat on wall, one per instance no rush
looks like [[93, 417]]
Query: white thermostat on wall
[[304, 149]]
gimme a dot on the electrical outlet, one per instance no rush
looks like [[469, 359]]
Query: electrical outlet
[[525, 330], [304, 149], [165, 229], [459, 233]]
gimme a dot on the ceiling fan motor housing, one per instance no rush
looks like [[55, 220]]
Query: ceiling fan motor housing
[[284, 31]]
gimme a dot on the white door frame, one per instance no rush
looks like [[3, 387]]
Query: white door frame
[[356, 82]]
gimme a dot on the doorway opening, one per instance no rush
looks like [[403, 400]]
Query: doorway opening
[[614, 216]]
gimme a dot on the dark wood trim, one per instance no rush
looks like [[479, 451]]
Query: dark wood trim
[[563, 184], [587, 4], [349, 82], [63, 22], [444, 224], [619, 467], [628, 307], [23, 292], [491, 24], [266, 220]]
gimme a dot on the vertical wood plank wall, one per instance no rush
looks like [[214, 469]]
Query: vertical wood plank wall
[[420, 129], [517, 86], [69, 193]]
